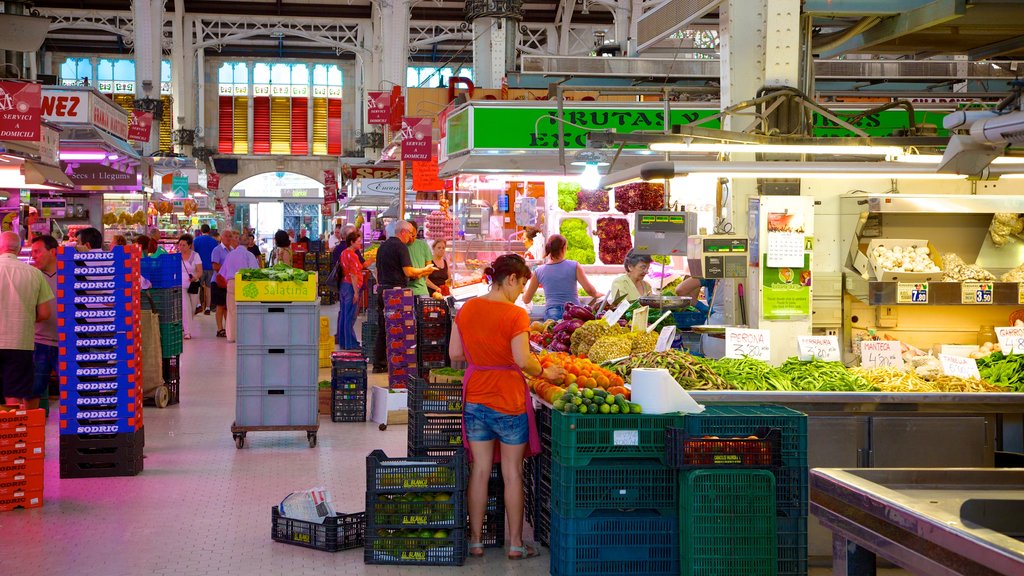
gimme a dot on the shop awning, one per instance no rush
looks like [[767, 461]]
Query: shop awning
[[77, 137], [46, 176], [535, 162], [368, 201]]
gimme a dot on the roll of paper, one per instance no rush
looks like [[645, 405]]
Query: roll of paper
[[657, 392]]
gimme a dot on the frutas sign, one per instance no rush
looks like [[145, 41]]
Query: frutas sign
[[63, 106]]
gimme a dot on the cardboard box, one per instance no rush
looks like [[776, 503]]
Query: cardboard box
[[11, 499], [388, 407], [33, 435], [20, 466], [891, 276], [17, 418]]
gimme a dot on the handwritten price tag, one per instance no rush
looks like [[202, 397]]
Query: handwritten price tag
[[881, 354], [612, 318], [1011, 340], [668, 333], [742, 342], [959, 366], [820, 347]]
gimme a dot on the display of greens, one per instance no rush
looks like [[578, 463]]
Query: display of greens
[[277, 272], [580, 245]]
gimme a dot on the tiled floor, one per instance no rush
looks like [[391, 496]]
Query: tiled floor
[[202, 507]]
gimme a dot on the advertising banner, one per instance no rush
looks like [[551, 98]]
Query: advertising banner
[[417, 143], [20, 111]]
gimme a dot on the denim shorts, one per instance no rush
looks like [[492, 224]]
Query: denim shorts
[[484, 424]]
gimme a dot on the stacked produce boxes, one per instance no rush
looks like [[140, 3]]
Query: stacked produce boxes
[[320, 262], [415, 510], [749, 440], [370, 327], [400, 327], [277, 370], [326, 342], [99, 362], [614, 502], [537, 480], [348, 387], [165, 299], [433, 325], [21, 459], [435, 429]]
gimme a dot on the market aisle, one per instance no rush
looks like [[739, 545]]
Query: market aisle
[[202, 507]]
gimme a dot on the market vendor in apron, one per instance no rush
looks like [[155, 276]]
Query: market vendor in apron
[[491, 334]]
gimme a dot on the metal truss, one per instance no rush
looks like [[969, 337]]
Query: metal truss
[[540, 39], [218, 31], [424, 34], [113, 22]]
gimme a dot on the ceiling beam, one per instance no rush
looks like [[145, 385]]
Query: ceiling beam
[[996, 48], [844, 8], [925, 16]]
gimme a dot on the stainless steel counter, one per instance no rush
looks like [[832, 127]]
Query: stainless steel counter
[[929, 521], [964, 403]]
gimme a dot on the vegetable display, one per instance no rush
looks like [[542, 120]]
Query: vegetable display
[[613, 240], [593, 401], [1002, 370], [587, 334], [1004, 225], [903, 259], [751, 374], [959, 271], [690, 372], [895, 380], [278, 272], [580, 246], [822, 376], [639, 196], [568, 195], [593, 200]]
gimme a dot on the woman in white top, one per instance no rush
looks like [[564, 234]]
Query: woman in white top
[[191, 271]]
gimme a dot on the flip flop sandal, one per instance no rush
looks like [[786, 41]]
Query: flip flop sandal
[[525, 551], [476, 546]]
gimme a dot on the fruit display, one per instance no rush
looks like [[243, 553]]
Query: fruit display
[[593, 401], [639, 196], [593, 200], [580, 245], [1004, 225], [959, 271], [541, 333], [440, 225], [613, 240], [903, 258], [691, 372], [568, 195], [582, 372]]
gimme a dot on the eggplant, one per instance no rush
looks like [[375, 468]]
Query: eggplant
[[577, 312]]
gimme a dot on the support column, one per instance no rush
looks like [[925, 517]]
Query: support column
[[183, 84], [148, 51], [494, 41], [393, 42]]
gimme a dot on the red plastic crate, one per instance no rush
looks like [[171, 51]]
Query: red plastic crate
[[760, 450], [15, 418], [11, 499], [18, 466]]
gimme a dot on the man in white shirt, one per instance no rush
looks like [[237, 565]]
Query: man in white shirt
[[25, 298], [335, 238], [237, 259]]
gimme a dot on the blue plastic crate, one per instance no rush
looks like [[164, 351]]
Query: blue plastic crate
[[792, 537], [74, 356], [122, 341], [132, 408], [72, 382], [123, 298], [85, 400], [71, 319], [70, 283], [686, 320], [96, 371], [116, 253], [162, 271], [745, 420], [98, 386], [621, 543], [118, 426]]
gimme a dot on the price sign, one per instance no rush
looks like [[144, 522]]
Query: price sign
[[881, 354], [911, 293], [959, 366], [640, 319], [1011, 340], [612, 318], [668, 334], [976, 293], [742, 342], [820, 347]]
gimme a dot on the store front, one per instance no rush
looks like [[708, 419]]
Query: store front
[[276, 201]]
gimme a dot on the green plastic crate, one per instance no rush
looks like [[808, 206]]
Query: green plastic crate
[[576, 439], [727, 522], [170, 339], [578, 491], [745, 420]]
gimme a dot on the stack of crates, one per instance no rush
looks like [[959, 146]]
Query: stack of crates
[[415, 510], [435, 429], [433, 324], [164, 273], [614, 506], [400, 328], [348, 387], [537, 480], [21, 458], [370, 327], [779, 449], [99, 362], [326, 342], [277, 368]]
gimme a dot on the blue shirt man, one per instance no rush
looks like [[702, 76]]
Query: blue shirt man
[[204, 245]]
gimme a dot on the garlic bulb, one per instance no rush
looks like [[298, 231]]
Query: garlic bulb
[[904, 259]]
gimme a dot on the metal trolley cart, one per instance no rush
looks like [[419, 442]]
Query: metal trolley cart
[[278, 369]]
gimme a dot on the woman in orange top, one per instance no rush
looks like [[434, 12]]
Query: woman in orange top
[[492, 334]]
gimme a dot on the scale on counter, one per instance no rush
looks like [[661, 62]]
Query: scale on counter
[[477, 220], [664, 233], [53, 207], [718, 256]]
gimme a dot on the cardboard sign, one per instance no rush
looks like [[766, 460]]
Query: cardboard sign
[[139, 126], [748, 343], [20, 111], [612, 318], [378, 107], [417, 140], [959, 366], [668, 334], [424, 175], [1011, 340], [820, 347], [881, 354]]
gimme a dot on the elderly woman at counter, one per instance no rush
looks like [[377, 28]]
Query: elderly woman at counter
[[632, 284]]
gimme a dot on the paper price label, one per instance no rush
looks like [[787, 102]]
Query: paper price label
[[742, 342], [625, 437], [1011, 340], [911, 293], [613, 317], [881, 354], [820, 347], [640, 319], [668, 334], [976, 293], [959, 366]]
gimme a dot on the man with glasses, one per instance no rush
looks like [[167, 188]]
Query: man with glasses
[[394, 269]]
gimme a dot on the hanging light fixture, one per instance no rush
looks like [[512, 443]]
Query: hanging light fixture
[[591, 160]]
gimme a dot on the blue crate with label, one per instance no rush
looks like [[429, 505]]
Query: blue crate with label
[[162, 271], [121, 340], [117, 426], [94, 330], [113, 298], [614, 543], [70, 283], [80, 357], [116, 253], [99, 371], [98, 386], [97, 415], [124, 318], [102, 399]]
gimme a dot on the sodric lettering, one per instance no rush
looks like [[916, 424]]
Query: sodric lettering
[[96, 357], [95, 386], [97, 414], [110, 429], [96, 372], [96, 401], [94, 299], [95, 313], [94, 328]]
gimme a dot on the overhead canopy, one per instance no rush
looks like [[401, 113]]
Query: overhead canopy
[[89, 137], [30, 175]]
